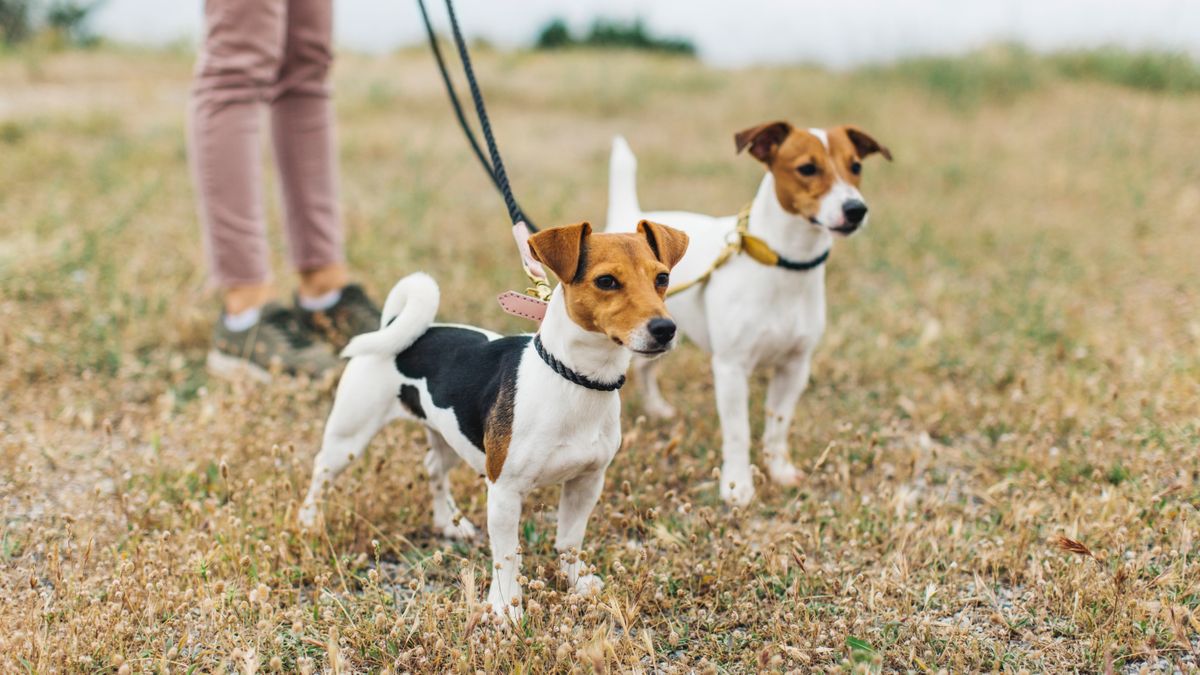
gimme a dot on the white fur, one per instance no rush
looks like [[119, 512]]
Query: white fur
[[562, 433], [413, 302], [829, 213], [747, 315]]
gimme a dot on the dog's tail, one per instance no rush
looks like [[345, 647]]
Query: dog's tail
[[407, 313], [623, 208]]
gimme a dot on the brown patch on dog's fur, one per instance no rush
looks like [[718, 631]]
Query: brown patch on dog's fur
[[863, 143], [668, 244], [785, 149], [578, 258], [498, 433]]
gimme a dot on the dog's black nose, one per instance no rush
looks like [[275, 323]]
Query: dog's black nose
[[663, 330], [855, 211]]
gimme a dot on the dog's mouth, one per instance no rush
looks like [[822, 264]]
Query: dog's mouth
[[653, 351], [658, 351], [844, 230]]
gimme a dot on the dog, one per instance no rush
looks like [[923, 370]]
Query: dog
[[765, 306], [523, 411]]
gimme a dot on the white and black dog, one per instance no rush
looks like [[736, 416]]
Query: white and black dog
[[764, 310], [524, 411]]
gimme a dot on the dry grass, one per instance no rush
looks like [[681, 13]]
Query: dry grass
[[1001, 439]]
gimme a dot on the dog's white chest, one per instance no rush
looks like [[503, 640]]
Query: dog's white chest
[[786, 333], [560, 429], [549, 460], [767, 314], [582, 454]]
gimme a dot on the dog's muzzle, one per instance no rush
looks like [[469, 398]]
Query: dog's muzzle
[[656, 337], [662, 330], [855, 213]]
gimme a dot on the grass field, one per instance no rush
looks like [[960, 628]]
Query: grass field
[[1013, 356]]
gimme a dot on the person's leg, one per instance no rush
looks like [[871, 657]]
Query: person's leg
[[238, 65], [239, 61], [302, 126], [302, 129]]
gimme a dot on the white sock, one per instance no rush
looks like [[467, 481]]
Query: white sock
[[321, 302], [242, 321]]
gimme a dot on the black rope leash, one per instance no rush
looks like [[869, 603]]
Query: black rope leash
[[494, 167], [570, 375], [450, 91]]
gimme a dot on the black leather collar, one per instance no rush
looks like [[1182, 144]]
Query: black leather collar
[[803, 265], [570, 375]]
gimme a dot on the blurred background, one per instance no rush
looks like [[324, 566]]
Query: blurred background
[[1012, 353], [730, 34]]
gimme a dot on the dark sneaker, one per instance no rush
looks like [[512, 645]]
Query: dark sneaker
[[351, 315], [278, 340]]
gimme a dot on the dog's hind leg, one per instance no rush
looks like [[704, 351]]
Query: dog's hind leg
[[440, 459], [579, 497], [646, 374], [787, 384], [337, 452], [364, 403]]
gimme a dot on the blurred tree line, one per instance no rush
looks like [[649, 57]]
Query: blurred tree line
[[64, 21], [607, 34]]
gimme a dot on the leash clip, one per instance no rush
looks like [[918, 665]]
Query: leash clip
[[532, 303]]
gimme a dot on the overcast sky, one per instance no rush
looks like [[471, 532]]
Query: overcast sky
[[831, 32]]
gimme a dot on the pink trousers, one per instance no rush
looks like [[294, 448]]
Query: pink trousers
[[272, 54]]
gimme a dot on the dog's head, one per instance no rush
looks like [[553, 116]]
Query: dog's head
[[615, 284], [817, 171]]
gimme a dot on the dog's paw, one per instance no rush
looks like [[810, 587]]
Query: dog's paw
[[785, 473], [465, 529], [307, 518], [660, 410], [588, 585], [737, 488], [507, 613]]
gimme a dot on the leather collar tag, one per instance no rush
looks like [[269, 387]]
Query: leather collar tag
[[524, 306]]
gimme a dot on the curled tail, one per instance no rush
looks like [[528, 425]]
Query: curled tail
[[407, 313], [623, 208]]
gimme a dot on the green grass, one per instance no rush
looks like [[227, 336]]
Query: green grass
[[1164, 72], [995, 76], [1002, 74]]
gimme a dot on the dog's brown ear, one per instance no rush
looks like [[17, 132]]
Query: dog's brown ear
[[763, 139], [865, 144], [563, 250], [668, 243]]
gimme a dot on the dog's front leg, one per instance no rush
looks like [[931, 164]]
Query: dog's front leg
[[787, 384], [579, 497], [730, 379], [504, 524], [646, 376]]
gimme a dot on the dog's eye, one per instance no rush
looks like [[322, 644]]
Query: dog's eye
[[808, 169], [662, 280], [607, 282], [855, 168]]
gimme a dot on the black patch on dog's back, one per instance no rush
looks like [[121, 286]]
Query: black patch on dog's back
[[463, 370], [410, 398]]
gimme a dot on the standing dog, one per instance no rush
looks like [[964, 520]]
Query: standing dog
[[524, 411], [765, 306]]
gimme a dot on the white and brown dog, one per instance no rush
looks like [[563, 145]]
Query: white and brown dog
[[525, 411], [748, 313]]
